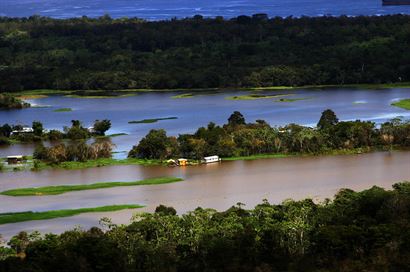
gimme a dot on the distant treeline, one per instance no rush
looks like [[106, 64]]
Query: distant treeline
[[357, 231], [238, 138], [256, 51]]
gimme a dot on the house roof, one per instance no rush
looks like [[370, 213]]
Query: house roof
[[15, 157]]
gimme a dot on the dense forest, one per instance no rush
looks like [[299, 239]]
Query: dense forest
[[108, 54], [239, 138], [357, 231]]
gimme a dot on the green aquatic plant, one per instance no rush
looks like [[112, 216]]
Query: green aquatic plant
[[61, 189], [7, 218], [63, 110], [153, 120], [404, 104]]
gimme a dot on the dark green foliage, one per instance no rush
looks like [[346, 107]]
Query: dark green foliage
[[164, 210], [75, 151], [236, 119], [327, 120], [76, 131], [100, 127], [40, 152], [4, 141], [5, 130], [55, 135], [100, 54], [155, 145], [237, 139], [37, 128], [357, 231], [8, 101]]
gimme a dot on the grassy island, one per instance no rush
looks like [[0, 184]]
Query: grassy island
[[63, 110], [7, 218], [153, 120], [291, 99], [57, 190], [255, 96], [75, 165], [404, 104], [185, 95]]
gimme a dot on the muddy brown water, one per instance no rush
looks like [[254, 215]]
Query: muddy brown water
[[218, 186]]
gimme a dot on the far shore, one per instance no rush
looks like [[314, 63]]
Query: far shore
[[42, 93]]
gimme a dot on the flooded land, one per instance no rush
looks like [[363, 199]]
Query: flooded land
[[218, 185], [302, 106]]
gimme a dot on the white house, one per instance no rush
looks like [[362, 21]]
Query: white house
[[211, 159], [91, 130], [24, 129], [15, 159]]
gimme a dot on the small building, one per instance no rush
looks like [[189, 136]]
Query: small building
[[14, 159], [22, 130], [91, 129], [182, 162], [211, 159]]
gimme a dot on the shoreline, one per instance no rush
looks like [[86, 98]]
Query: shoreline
[[42, 93], [147, 162]]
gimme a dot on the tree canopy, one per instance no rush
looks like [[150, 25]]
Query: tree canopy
[[108, 54], [238, 138]]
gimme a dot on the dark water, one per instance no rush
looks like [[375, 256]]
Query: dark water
[[198, 111], [215, 186], [165, 9]]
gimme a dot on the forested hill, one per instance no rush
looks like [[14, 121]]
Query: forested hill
[[246, 51]]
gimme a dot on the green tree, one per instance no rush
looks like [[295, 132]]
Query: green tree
[[37, 128], [327, 120], [5, 130], [77, 131], [164, 210], [100, 127], [236, 119], [153, 146]]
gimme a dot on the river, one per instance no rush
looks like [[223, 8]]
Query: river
[[167, 9], [349, 104], [218, 186]]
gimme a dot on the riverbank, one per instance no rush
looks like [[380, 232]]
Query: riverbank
[[58, 190], [284, 155], [76, 165], [41, 93], [7, 218]]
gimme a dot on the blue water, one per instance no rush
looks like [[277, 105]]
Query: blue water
[[165, 9], [349, 104]]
